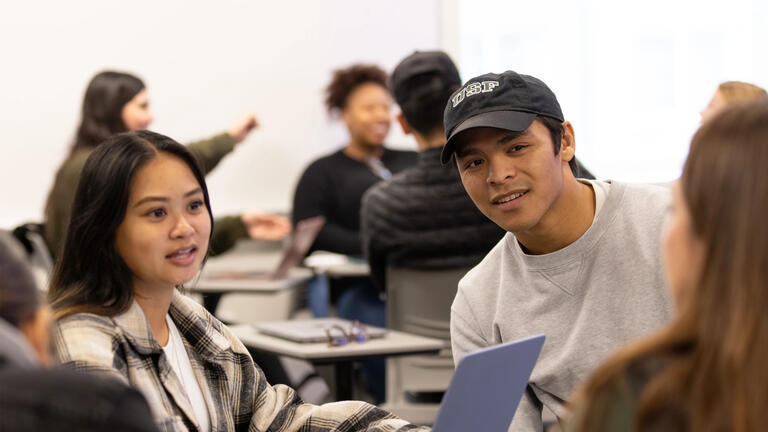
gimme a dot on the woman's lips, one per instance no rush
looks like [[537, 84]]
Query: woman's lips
[[183, 256]]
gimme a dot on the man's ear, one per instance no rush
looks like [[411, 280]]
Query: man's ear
[[404, 124], [567, 142]]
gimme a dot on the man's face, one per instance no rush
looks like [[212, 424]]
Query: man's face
[[513, 178]]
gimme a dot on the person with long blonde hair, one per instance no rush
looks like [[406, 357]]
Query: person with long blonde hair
[[705, 371]]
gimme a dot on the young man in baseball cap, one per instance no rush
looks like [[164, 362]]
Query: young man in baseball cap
[[580, 261]]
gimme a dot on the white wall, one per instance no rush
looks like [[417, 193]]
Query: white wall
[[205, 64]]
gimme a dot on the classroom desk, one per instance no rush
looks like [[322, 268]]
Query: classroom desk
[[395, 343], [244, 259], [336, 265]]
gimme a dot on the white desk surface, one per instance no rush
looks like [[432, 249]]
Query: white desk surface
[[246, 285], [247, 258], [337, 265], [394, 343]]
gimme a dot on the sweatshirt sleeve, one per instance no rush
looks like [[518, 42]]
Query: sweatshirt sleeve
[[466, 335], [528, 415], [209, 152]]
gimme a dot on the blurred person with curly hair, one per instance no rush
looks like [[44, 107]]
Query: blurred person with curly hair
[[333, 186]]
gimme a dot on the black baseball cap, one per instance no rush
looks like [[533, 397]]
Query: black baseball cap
[[418, 63], [508, 100]]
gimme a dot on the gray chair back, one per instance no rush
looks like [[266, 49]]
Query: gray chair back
[[419, 301]]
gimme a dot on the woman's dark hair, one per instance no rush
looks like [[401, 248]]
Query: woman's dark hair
[[19, 296], [345, 81], [105, 97], [90, 275]]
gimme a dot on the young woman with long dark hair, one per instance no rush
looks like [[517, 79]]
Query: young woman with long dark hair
[[135, 237]]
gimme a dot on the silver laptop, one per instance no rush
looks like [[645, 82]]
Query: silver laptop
[[301, 240], [314, 330], [487, 387]]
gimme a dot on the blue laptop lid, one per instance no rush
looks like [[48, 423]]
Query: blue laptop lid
[[487, 386]]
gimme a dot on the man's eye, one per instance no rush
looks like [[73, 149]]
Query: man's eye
[[473, 163], [516, 148]]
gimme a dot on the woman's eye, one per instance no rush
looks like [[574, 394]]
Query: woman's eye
[[156, 213], [196, 205]]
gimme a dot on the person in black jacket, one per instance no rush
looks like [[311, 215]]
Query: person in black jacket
[[422, 217], [333, 187]]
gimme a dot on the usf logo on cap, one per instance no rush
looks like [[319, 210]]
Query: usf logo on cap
[[473, 89], [511, 101]]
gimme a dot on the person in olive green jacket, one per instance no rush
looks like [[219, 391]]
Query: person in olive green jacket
[[116, 102]]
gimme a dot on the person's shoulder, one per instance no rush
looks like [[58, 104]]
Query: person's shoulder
[[382, 191], [379, 205], [87, 322], [399, 155], [86, 337], [331, 158], [651, 197], [326, 164], [74, 163], [663, 190]]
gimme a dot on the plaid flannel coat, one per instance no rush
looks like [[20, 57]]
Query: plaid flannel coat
[[236, 392]]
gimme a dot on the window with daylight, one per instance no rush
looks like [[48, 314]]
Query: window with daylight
[[632, 77]]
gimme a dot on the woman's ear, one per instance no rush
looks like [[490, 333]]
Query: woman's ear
[[37, 331]]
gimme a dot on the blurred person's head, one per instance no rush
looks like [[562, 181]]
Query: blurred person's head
[[21, 304], [114, 102], [359, 94], [731, 92], [715, 253], [141, 217], [422, 84]]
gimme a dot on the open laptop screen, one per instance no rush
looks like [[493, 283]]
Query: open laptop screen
[[487, 387]]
